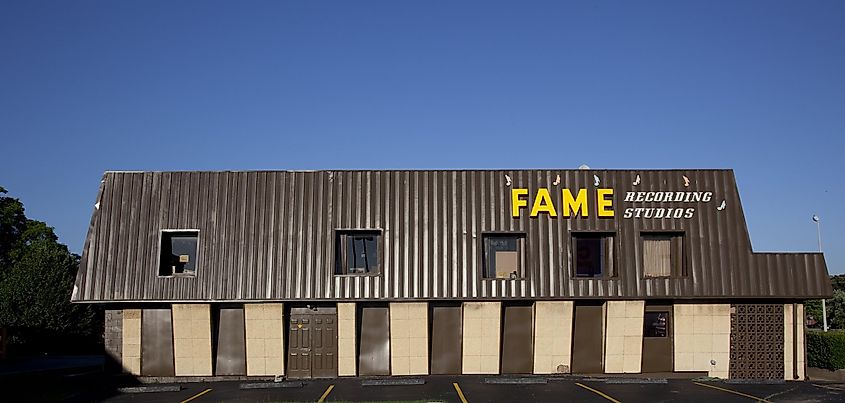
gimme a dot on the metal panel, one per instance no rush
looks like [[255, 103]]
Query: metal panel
[[446, 339], [588, 340], [230, 342], [374, 339], [757, 341], [658, 355], [157, 343], [269, 236], [517, 339]]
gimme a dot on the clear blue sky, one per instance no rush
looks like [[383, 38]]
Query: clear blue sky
[[757, 86]]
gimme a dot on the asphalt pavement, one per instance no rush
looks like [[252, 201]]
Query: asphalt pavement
[[464, 389]]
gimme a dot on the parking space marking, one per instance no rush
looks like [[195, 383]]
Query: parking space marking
[[460, 392], [598, 392], [196, 396], [326, 394], [759, 399], [829, 387]]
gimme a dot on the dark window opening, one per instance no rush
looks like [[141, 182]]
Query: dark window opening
[[357, 253], [663, 254], [178, 253], [656, 324], [503, 256], [593, 255]]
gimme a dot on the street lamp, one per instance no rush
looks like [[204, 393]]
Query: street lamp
[[818, 222]]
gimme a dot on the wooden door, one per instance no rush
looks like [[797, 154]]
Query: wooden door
[[324, 343], [299, 345]]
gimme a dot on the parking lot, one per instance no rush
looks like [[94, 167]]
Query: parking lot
[[464, 389]]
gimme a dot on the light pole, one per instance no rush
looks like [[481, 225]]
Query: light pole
[[818, 222]]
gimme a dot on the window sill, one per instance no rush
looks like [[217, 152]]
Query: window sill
[[179, 276], [502, 279]]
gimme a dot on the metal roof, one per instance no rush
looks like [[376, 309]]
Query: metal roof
[[269, 235]]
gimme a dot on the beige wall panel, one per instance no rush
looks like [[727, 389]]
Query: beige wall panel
[[265, 324], [131, 356], [482, 329], [624, 336], [409, 338], [192, 339], [553, 336], [791, 328], [347, 359], [702, 334]]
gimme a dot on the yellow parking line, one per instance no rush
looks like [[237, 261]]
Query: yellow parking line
[[325, 394], [460, 392], [598, 392], [759, 399], [195, 396]]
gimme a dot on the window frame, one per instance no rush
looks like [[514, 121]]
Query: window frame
[[678, 265], [341, 262], [522, 255], [173, 274], [607, 272]]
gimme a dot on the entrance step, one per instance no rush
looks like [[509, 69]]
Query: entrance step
[[512, 380], [271, 385], [393, 382]]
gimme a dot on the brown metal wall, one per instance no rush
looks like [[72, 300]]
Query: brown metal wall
[[230, 346], [269, 236], [446, 339], [157, 343]]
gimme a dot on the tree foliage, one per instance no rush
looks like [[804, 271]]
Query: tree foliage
[[835, 306], [36, 280]]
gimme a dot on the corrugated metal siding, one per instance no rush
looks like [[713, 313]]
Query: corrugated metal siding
[[269, 236]]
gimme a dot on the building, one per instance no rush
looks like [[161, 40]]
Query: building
[[365, 273]]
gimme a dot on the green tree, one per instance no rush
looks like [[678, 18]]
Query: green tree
[[835, 305], [36, 280]]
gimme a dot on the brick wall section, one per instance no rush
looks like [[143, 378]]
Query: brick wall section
[[409, 338], [553, 337], [347, 357], [702, 334], [131, 341], [264, 339], [788, 343], [482, 324], [624, 341], [113, 340], [192, 339]]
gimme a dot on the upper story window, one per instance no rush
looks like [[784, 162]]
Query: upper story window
[[357, 252], [503, 255], [593, 255], [663, 254], [178, 253]]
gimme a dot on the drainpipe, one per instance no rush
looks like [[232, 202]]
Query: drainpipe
[[795, 340]]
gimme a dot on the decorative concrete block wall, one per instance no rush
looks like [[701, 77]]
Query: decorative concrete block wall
[[702, 334], [409, 338], [192, 339], [131, 348], [553, 336], [482, 323], [347, 357], [790, 329], [264, 339], [624, 341]]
